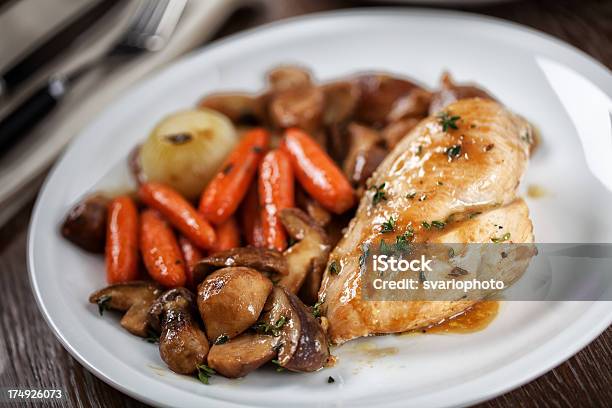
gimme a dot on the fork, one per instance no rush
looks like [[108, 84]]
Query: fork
[[149, 29]]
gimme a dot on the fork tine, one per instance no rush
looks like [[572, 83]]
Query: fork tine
[[153, 22], [158, 12]]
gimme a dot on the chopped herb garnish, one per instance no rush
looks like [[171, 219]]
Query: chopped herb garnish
[[451, 253], [365, 250], [388, 226], [426, 225], [402, 241], [453, 151], [503, 238], [438, 224], [103, 304], [423, 197], [474, 214], [316, 309], [222, 339], [333, 268], [204, 373], [419, 150], [152, 337], [278, 366], [410, 196], [271, 329], [379, 194], [330, 380], [385, 248], [447, 121]]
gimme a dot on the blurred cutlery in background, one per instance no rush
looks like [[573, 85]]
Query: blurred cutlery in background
[[150, 27], [51, 47]]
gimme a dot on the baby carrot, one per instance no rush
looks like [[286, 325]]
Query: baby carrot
[[276, 191], [228, 235], [251, 218], [121, 241], [179, 212], [221, 197], [191, 255], [317, 172], [160, 251]]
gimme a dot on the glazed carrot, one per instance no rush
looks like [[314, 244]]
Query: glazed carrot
[[160, 250], [251, 218], [179, 212], [317, 172], [191, 255], [121, 240], [276, 191], [221, 197], [228, 235]]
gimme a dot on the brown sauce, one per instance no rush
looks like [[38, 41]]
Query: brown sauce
[[474, 319]]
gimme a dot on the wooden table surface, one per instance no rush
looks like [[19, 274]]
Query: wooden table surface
[[31, 356]]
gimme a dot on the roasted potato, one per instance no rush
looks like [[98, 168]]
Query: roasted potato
[[175, 150], [231, 299], [85, 223], [134, 298], [243, 354]]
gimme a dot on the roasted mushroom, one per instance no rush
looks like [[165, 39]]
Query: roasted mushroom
[[340, 101], [413, 105], [242, 109], [298, 107], [308, 257], [182, 344], [378, 94], [243, 354], [85, 224], [288, 77], [365, 154], [231, 299], [303, 344], [134, 298], [394, 132], [312, 207], [265, 260], [450, 92]]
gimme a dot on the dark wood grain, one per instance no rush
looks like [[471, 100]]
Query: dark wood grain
[[31, 356]]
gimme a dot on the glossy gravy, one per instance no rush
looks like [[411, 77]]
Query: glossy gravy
[[474, 319]]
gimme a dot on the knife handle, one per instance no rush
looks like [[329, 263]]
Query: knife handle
[[31, 111]]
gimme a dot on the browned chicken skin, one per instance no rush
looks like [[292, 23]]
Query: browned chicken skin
[[182, 344], [433, 174]]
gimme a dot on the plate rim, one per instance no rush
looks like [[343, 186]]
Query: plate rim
[[552, 360]]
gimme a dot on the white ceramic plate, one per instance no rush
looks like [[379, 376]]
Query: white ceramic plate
[[565, 93]]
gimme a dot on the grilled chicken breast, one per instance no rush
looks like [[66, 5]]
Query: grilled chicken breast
[[459, 170]]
